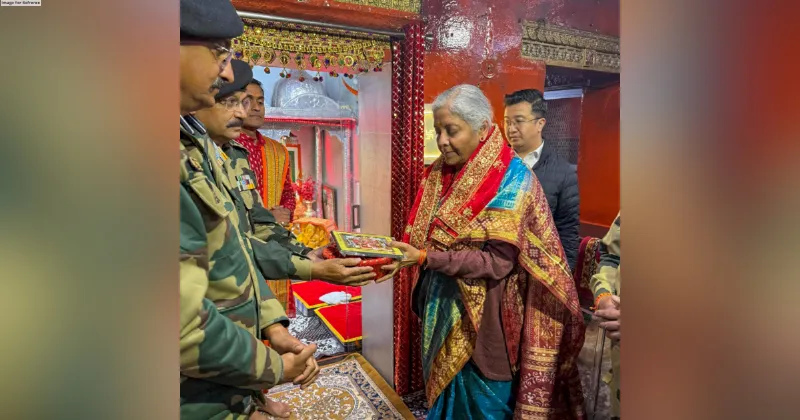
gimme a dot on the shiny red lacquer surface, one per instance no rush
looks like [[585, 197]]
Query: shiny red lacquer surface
[[598, 158], [479, 42]]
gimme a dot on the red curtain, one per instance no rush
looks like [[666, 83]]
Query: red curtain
[[408, 142]]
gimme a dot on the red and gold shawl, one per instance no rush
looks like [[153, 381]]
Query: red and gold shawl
[[495, 197]]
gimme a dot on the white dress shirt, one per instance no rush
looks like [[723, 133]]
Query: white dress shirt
[[533, 156]]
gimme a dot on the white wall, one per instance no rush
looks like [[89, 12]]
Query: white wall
[[268, 81], [333, 173], [334, 86], [374, 173]]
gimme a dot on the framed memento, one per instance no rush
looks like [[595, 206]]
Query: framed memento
[[356, 217], [363, 245], [295, 166], [328, 202]]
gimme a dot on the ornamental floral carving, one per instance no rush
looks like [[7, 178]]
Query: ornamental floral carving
[[567, 47]]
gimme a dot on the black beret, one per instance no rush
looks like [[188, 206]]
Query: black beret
[[213, 19], [242, 75]]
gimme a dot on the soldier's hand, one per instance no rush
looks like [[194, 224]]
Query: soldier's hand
[[282, 214], [295, 366], [342, 271], [316, 255], [613, 329], [281, 341], [309, 375], [609, 310]]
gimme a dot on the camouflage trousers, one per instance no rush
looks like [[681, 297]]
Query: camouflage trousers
[[614, 385], [230, 405]]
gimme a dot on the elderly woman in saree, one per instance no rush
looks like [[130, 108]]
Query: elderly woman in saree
[[500, 314]]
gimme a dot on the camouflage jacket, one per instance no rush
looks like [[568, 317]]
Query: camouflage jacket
[[607, 279], [225, 302], [278, 253]]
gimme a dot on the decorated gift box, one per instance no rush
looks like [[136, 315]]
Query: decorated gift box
[[373, 250], [315, 294], [344, 321], [364, 245]]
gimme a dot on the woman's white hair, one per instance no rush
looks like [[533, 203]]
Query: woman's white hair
[[468, 103]]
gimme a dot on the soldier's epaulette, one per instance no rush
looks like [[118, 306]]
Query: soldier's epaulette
[[186, 128], [193, 124], [189, 165], [193, 132]]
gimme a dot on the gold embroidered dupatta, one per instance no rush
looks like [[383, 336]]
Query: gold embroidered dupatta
[[540, 311]]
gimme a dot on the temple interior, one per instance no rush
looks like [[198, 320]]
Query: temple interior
[[358, 123]]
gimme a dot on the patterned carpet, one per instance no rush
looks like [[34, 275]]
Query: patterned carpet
[[311, 329], [349, 389], [417, 404]]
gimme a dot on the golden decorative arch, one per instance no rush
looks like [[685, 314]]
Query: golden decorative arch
[[409, 6], [566, 47]]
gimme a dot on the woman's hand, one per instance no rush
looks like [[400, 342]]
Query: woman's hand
[[409, 254]]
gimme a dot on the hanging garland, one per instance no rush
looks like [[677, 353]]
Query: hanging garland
[[262, 43], [350, 89]]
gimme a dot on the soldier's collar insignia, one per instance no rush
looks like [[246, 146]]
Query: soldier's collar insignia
[[221, 156], [195, 164]]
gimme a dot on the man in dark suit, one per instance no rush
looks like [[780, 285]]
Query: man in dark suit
[[524, 121]]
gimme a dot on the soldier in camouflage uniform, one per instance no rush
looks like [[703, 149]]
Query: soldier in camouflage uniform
[[606, 287], [225, 303], [278, 253]]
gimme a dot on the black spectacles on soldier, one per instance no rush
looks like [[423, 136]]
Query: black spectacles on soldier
[[220, 48], [232, 103]]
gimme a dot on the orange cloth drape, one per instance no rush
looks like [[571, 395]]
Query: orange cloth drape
[[275, 158]]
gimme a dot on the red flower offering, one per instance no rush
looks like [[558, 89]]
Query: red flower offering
[[305, 189]]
